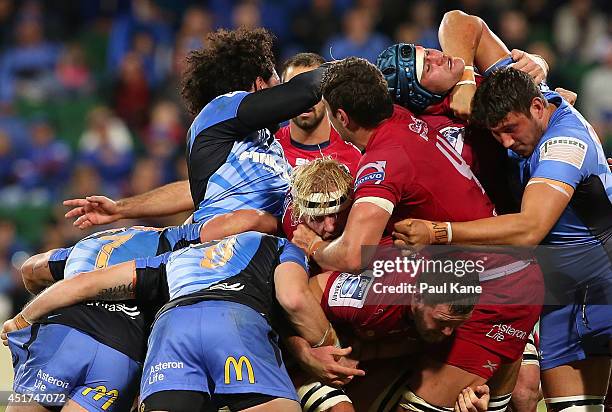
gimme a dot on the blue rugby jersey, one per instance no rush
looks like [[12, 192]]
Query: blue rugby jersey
[[570, 152], [120, 325], [234, 162], [238, 268]]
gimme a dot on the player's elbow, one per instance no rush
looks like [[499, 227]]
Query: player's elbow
[[264, 222], [27, 275], [530, 233], [461, 20], [32, 279]]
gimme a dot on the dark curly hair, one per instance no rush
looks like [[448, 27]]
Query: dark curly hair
[[230, 61], [506, 90], [359, 88]]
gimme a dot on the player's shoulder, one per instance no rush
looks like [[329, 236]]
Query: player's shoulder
[[401, 129], [283, 134], [219, 109]]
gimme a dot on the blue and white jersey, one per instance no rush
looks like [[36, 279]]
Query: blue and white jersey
[[120, 325], [238, 268], [232, 166], [570, 152]]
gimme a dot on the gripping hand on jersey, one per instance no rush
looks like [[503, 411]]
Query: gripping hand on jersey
[[331, 366], [93, 210], [473, 400], [532, 64], [11, 325]]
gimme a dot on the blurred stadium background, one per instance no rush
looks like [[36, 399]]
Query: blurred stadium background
[[90, 101]]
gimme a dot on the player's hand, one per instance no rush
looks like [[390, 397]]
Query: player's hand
[[568, 95], [610, 163], [533, 65], [461, 100], [411, 232], [473, 400], [304, 237], [331, 366], [93, 210], [11, 325]]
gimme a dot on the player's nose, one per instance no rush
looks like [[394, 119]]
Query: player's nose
[[506, 140], [329, 224], [447, 331]]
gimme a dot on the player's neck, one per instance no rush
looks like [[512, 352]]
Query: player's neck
[[361, 137], [318, 135], [549, 110]]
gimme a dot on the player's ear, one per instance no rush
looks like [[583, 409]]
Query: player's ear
[[343, 117], [259, 84], [537, 107]]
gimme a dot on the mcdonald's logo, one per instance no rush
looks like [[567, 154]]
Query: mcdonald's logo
[[238, 369], [100, 392]]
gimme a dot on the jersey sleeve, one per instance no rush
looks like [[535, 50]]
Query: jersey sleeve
[[57, 263], [382, 177], [276, 104], [562, 158], [151, 281], [292, 253]]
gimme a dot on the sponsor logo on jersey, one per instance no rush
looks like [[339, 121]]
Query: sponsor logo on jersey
[[157, 374], [454, 136], [237, 366], [101, 392], [490, 366], [42, 376], [235, 287], [350, 290], [371, 172], [131, 311], [265, 159], [568, 150], [500, 331], [419, 127]]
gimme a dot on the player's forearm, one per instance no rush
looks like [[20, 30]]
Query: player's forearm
[[302, 309], [283, 102], [460, 34], [166, 200], [512, 229], [339, 255], [113, 283], [240, 221]]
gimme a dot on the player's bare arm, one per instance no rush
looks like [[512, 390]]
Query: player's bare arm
[[112, 283], [35, 272], [365, 226], [240, 221], [99, 210], [468, 37], [303, 310], [543, 202]]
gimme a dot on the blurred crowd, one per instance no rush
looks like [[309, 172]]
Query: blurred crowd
[[90, 100]]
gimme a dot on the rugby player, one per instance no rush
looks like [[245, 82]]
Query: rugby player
[[219, 312], [118, 329], [89, 355], [408, 171], [424, 81], [565, 204], [234, 161], [310, 135], [386, 327]]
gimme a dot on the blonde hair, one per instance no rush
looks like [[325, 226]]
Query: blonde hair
[[320, 187]]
